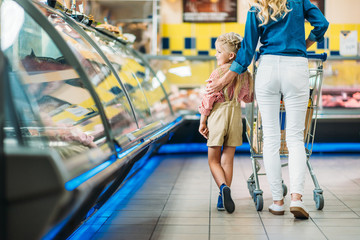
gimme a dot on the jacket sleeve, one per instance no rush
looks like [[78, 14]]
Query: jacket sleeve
[[248, 46], [317, 20]]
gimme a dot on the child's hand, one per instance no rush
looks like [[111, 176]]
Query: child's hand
[[203, 130]]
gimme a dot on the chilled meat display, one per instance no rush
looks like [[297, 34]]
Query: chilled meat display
[[344, 100]]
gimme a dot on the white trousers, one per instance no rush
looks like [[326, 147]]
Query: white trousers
[[288, 76]]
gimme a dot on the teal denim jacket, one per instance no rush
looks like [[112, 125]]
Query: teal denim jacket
[[286, 36]]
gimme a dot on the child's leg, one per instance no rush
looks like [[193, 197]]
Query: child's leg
[[227, 162], [214, 158]]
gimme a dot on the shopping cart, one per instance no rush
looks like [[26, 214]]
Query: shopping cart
[[254, 132]]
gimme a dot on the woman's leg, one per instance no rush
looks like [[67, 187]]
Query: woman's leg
[[267, 89], [214, 158], [296, 96], [227, 163]]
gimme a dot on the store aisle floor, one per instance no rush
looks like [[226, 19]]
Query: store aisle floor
[[174, 197]]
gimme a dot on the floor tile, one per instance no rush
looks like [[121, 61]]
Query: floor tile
[[184, 221], [282, 221], [185, 214], [183, 205], [169, 236], [181, 229], [136, 214], [341, 232], [334, 215], [238, 229], [230, 236], [119, 236], [235, 222], [338, 222]]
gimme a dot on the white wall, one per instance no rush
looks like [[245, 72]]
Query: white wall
[[342, 11]]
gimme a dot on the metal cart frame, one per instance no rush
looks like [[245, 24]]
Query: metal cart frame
[[254, 133]]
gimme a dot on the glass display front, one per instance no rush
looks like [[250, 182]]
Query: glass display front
[[134, 86], [107, 87], [51, 99], [143, 87], [341, 88], [185, 77]]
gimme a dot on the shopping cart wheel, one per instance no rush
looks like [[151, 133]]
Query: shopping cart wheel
[[319, 201], [259, 202], [251, 187], [284, 189]]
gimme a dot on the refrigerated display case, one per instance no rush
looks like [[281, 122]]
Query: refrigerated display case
[[341, 88], [186, 76], [79, 108], [339, 108]]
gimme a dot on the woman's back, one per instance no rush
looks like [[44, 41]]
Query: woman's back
[[286, 35]]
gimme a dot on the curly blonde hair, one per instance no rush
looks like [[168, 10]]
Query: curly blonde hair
[[231, 42], [270, 9]]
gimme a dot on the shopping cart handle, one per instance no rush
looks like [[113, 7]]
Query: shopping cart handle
[[321, 56]]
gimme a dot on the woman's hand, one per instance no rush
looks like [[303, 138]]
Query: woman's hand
[[309, 43], [217, 86], [203, 130]]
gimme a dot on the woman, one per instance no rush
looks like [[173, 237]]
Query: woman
[[283, 70]]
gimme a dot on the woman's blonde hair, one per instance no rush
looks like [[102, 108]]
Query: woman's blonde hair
[[231, 42], [270, 9]]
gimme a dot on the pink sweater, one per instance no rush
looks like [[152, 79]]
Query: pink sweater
[[245, 94]]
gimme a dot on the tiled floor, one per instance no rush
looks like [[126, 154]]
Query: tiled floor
[[174, 197]]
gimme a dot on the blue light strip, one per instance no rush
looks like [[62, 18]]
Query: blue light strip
[[121, 197], [194, 148], [336, 147], [76, 182], [124, 153], [202, 148]]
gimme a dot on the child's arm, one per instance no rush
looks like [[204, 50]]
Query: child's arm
[[208, 100], [203, 129]]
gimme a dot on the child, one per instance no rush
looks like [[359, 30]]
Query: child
[[221, 122]]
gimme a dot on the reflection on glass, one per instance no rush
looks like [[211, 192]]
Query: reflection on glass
[[144, 89], [116, 106], [10, 30], [154, 88], [121, 63], [341, 86], [52, 93], [185, 80]]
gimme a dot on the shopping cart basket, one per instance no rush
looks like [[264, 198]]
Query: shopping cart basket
[[254, 132]]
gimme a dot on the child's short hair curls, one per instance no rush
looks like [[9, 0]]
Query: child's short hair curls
[[231, 41]]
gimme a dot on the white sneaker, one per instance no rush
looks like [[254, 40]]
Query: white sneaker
[[299, 210], [276, 209]]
